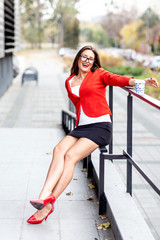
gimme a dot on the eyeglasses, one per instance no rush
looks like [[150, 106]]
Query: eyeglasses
[[84, 59]]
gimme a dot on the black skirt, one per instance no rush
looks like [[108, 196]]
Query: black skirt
[[100, 133]]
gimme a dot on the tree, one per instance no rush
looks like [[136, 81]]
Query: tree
[[133, 35], [31, 21], [65, 17], [152, 17], [50, 32], [152, 23], [97, 34], [113, 22]]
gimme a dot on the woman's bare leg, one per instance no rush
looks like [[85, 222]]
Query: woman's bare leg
[[79, 150], [56, 167]]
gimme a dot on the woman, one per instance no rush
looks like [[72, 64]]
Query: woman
[[86, 87]]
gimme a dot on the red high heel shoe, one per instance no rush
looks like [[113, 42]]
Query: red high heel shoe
[[33, 220], [39, 204]]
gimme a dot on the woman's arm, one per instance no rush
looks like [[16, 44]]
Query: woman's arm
[[148, 82], [121, 81]]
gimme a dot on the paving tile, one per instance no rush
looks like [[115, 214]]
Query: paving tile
[[11, 209], [10, 229], [81, 230], [47, 230], [80, 210]]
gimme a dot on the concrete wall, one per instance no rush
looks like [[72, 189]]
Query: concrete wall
[[6, 73]]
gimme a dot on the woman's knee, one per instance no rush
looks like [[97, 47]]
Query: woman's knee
[[63, 146], [58, 150], [69, 157]]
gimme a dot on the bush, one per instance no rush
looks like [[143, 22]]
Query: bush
[[125, 70], [110, 61], [115, 65], [116, 70], [136, 71]]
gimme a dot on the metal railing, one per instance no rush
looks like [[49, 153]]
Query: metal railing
[[68, 120], [68, 123]]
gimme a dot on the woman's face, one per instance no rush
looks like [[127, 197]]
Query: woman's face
[[86, 60]]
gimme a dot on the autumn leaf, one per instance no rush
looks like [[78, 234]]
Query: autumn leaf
[[106, 225], [84, 170], [48, 153], [90, 198], [103, 217], [91, 186], [103, 226], [100, 226], [69, 193]]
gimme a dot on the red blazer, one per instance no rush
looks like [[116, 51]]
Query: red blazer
[[92, 92]]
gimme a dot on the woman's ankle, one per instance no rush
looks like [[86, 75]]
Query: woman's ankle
[[43, 195]]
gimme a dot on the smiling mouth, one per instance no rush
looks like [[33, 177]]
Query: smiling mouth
[[85, 65]]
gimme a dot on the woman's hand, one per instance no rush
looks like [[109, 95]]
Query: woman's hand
[[148, 82], [151, 82]]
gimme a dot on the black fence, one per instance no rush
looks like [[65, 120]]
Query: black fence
[[68, 123]]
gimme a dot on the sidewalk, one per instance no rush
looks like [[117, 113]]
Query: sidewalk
[[30, 126]]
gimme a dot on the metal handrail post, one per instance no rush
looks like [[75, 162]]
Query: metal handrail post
[[89, 167], [111, 108], [85, 162], [129, 141], [70, 123], [102, 199], [70, 108], [62, 114]]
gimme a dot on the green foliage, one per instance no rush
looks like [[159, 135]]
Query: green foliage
[[125, 70], [136, 71], [71, 34], [152, 17], [31, 21], [127, 28], [62, 26], [65, 18], [87, 33], [91, 34]]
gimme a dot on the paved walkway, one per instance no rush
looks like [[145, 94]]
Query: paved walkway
[[30, 118]]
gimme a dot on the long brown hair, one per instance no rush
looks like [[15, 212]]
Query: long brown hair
[[96, 64]]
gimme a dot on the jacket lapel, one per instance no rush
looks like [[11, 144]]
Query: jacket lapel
[[87, 77]]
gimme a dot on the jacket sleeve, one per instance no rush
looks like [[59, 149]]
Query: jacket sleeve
[[110, 79]]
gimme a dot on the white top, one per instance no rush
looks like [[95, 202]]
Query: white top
[[84, 119]]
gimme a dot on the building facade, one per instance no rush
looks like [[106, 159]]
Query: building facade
[[9, 40]]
